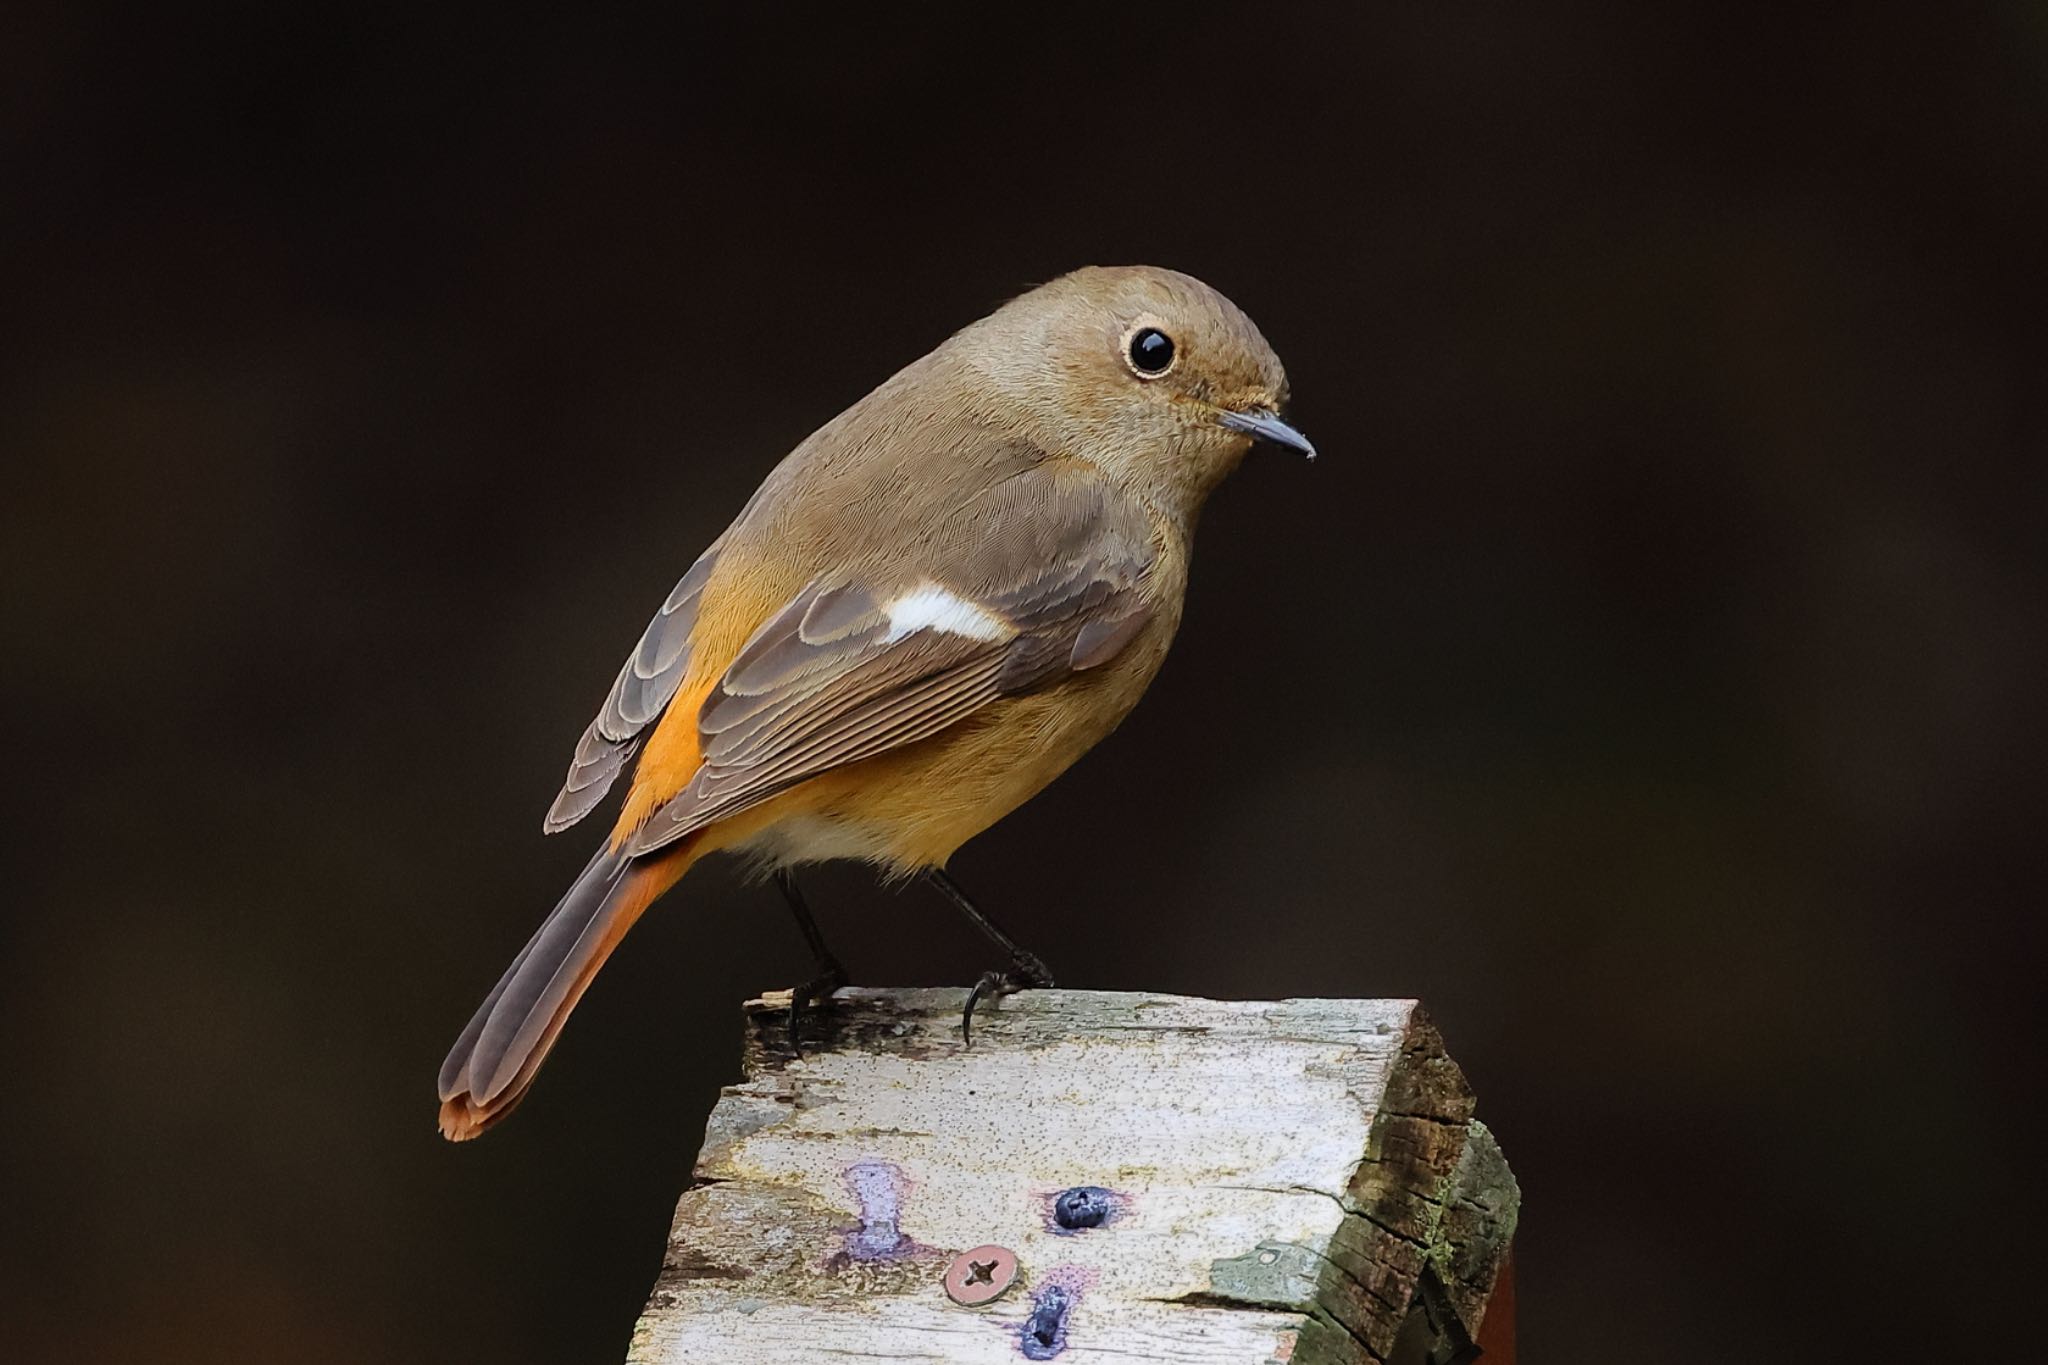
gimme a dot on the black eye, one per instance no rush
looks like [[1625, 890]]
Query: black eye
[[1151, 351]]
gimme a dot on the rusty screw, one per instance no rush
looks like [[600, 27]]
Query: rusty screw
[[981, 1275]]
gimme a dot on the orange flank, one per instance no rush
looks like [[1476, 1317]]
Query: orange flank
[[673, 754], [737, 600]]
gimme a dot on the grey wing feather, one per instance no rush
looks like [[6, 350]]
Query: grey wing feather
[[642, 691], [828, 681]]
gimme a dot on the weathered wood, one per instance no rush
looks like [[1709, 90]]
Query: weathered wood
[[1299, 1181]]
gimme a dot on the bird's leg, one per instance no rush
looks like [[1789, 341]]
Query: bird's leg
[[1025, 970], [831, 976]]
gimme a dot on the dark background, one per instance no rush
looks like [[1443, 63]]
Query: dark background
[[1666, 601]]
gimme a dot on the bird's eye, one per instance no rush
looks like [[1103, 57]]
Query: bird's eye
[[1151, 352]]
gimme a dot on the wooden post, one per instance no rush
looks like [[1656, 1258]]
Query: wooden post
[[1178, 1180]]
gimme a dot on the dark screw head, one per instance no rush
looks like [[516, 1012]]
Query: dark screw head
[[1084, 1206], [1044, 1334]]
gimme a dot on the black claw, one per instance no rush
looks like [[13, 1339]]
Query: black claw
[[1025, 969], [1025, 972], [831, 976], [990, 981], [817, 991]]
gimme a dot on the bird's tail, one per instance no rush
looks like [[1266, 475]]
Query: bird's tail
[[494, 1061]]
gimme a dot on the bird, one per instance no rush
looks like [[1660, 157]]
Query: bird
[[929, 609]]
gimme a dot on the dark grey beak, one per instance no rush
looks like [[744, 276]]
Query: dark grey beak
[[1261, 425]]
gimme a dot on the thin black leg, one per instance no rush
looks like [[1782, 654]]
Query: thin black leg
[[805, 921], [830, 974], [1026, 969]]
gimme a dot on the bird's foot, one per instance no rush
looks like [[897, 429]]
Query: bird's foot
[[1025, 972], [817, 991]]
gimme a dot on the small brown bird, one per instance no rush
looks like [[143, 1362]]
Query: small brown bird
[[933, 606]]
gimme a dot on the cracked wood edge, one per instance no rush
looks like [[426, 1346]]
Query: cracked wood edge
[[1298, 1180]]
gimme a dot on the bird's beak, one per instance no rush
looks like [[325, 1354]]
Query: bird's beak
[[1263, 424]]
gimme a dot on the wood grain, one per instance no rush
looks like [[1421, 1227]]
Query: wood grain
[[1297, 1180]]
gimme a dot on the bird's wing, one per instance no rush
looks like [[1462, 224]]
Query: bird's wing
[[643, 689], [1037, 578]]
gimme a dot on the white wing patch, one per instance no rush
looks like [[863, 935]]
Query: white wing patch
[[932, 607]]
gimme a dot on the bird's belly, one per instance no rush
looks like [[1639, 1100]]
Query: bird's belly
[[911, 808], [802, 836]]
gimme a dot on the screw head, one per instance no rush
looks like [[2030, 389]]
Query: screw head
[[1083, 1206], [980, 1275]]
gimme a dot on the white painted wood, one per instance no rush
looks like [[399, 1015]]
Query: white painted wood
[[1282, 1174]]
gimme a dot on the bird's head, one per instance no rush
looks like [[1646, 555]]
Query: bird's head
[[1149, 373]]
